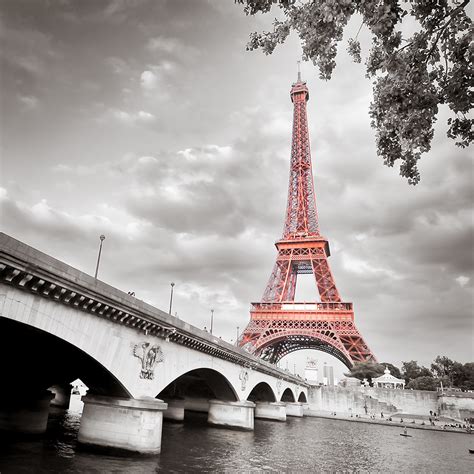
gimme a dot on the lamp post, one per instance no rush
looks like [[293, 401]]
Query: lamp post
[[171, 297], [237, 337], [102, 238], [212, 320]]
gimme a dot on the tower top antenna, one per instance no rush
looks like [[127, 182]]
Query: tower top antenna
[[299, 71]]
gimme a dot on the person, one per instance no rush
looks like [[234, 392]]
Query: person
[[381, 414], [205, 328], [431, 412], [401, 420], [405, 430]]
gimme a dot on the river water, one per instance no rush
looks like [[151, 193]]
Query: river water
[[299, 445]]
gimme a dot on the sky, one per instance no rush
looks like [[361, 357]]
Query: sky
[[150, 123]]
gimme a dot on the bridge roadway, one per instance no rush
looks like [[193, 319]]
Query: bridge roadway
[[141, 365]]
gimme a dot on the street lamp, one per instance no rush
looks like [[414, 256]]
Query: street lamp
[[212, 320], [171, 297], [102, 238], [237, 337]]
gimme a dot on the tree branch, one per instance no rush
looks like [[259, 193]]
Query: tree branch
[[442, 28]]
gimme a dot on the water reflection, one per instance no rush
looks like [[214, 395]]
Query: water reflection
[[299, 445]]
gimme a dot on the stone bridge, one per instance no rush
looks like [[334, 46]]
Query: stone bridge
[[141, 365]]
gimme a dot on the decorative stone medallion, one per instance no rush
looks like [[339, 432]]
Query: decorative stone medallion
[[149, 356], [279, 386]]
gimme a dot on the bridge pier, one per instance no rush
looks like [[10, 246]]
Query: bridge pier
[[270, 411], [25, 414], [200, 405], [61, 395], [120, 423], [175, 410], [237, 415], [294, 409]]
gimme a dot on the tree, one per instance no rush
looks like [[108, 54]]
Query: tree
[[395, 371], [366, 370], [412, 74], [411, 370], [452, 370], [467, 382], [423, 383], [442, 365]]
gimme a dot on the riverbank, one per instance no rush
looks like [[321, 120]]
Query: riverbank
[[408, 421]]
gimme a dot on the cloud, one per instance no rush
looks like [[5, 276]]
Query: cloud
[[173, 47], [149, 80], [462, 280], [118, 65], [29, 101], [128, 118], [161, 43]]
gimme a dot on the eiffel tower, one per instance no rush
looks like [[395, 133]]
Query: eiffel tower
[[279, 325]]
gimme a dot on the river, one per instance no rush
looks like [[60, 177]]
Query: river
[[299, 445]]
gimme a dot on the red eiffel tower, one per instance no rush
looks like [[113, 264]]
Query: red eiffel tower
[[279, 325]]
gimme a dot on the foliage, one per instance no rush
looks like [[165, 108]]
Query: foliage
[[467, 380], [443, 371], [366, 370], [423, 383], [395, 371], [454, 373], [412, 75], [445, 367], [411, 370]]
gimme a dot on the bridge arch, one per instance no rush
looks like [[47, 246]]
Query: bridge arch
[[200, 383], [302, 398], [34, 360], [288, 395], [262, 392]]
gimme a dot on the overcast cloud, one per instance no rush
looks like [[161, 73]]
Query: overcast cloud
[[150, 123]]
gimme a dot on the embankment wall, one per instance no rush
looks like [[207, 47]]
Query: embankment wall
[[414, 402], [356, 399], [457, 405]]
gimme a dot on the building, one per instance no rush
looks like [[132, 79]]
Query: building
[[311, 371], [387, 380], [328, 375]]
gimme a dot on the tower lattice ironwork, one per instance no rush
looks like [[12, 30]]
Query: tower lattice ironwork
[[279, 325]]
